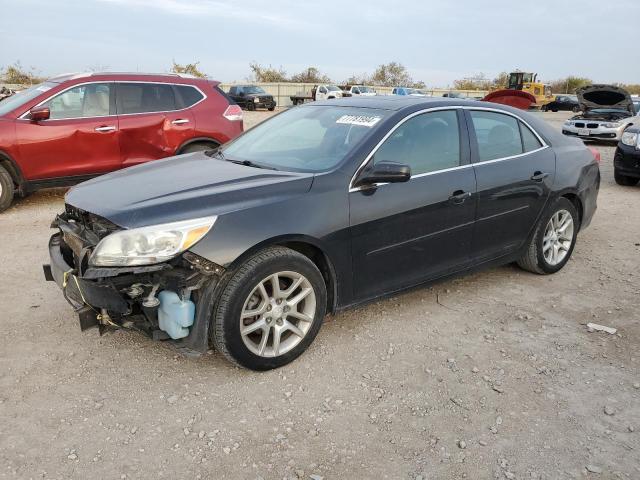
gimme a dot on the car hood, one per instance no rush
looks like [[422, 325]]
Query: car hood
[[183, 187], [604, 96]]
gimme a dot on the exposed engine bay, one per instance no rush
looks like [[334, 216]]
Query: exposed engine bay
[[160, 300]]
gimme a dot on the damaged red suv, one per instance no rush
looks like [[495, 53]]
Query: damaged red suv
[[74, 127]]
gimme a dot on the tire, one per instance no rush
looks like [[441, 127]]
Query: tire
[[555, 111], [242, 294], [7, 189], [544, 108], [625, 180], [534, 259], [271, 109], [251, 106], [575, 109], [198, 147]]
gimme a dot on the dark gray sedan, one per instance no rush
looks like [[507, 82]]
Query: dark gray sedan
[[322, 207]]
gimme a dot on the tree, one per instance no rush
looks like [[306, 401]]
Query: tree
[[390, 75], [633, 89], [569, 84], [267, 74], [189, 69], [501, 81], [475, 82], [19, 75], [310, 75]]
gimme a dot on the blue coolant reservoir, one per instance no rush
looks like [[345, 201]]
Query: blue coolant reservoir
[[174, 314]]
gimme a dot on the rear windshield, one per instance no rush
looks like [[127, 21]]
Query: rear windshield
[[15, 101], [305, 139]]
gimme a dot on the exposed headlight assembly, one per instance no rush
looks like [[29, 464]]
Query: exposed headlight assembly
[[256, 100], [631, 139], [568, 123], [149, 245], [611, 124]]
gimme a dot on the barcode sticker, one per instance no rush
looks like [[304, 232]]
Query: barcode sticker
[[362, 120]]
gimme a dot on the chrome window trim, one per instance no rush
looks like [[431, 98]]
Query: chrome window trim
[[460, 167], [204, 97]]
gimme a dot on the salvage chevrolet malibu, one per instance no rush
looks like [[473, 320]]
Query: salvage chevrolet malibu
[[246, 247]]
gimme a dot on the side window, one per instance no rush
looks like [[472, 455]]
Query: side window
[[189, 95], [529, 141], [427, 143], [498, 135], [232, 91], [145, 98], [91, 100]]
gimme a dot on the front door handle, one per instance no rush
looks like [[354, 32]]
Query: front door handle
[[539, 176], [105, 128], [459, 196], [180, 121]]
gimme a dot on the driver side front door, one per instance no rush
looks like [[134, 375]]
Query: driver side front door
[[406, 233]]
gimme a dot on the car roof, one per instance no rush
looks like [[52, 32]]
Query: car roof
[[65, 77], [394, 102]]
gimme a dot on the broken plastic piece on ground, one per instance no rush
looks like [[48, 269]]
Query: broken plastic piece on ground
[[601, 328]]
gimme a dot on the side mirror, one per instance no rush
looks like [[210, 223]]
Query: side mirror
[[40, 113], [385, 172]]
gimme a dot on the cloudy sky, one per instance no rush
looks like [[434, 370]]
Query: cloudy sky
[[437, 40]]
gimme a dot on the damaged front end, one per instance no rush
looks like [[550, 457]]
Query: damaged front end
[[168, 300]]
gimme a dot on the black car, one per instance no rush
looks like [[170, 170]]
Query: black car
[[320, 208], [251, 97], [626, 162], [563, 102]]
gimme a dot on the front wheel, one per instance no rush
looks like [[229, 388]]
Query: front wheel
[[270, 310], [271, 109], [625, 180], [7, 189], [553, 240]]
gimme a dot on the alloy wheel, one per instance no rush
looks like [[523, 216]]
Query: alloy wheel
[[558, 236], [277, 314]]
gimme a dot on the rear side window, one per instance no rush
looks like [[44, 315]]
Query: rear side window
[[83, 101], [498, 135], [529, 141], [145, 98], [427, 143], [189, 95]]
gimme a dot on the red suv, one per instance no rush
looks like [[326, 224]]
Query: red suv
[[74, 127]]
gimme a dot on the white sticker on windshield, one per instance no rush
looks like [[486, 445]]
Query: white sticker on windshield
[[362, 120]]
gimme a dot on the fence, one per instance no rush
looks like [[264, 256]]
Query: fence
[[283, 92]]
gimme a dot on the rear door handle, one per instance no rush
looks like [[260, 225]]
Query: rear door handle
[[539, 176], [180, 121], [459, 196], [105, 128]]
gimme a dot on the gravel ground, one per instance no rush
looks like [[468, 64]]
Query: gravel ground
[[493, 375]]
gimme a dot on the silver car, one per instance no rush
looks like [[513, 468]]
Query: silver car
[[606, 111]]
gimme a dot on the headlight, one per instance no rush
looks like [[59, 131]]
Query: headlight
[[256, 100], [611, 124], [630, 139], [568, 123], [149, 245]]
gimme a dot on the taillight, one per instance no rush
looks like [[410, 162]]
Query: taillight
[[596, 153], [233, 113]]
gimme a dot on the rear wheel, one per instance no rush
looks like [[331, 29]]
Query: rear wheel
[[199, 147], [270, 310], [625, 180], [575, 109], [251, 106], [553, 240], [271, 109], [7, 189]]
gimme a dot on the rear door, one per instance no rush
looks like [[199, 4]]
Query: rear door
[[80, 137], [153, 123], [404, 233], [514, 171]]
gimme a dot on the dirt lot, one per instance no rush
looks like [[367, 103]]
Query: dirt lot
[[490, 376]]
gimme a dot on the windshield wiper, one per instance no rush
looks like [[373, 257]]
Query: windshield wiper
[[248, 163]]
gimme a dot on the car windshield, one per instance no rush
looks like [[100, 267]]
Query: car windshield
[[20, 98], [253, 89], [305, 139], [636, 106], [608, 110], [365, 90], [332, 88], [412, 91]]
